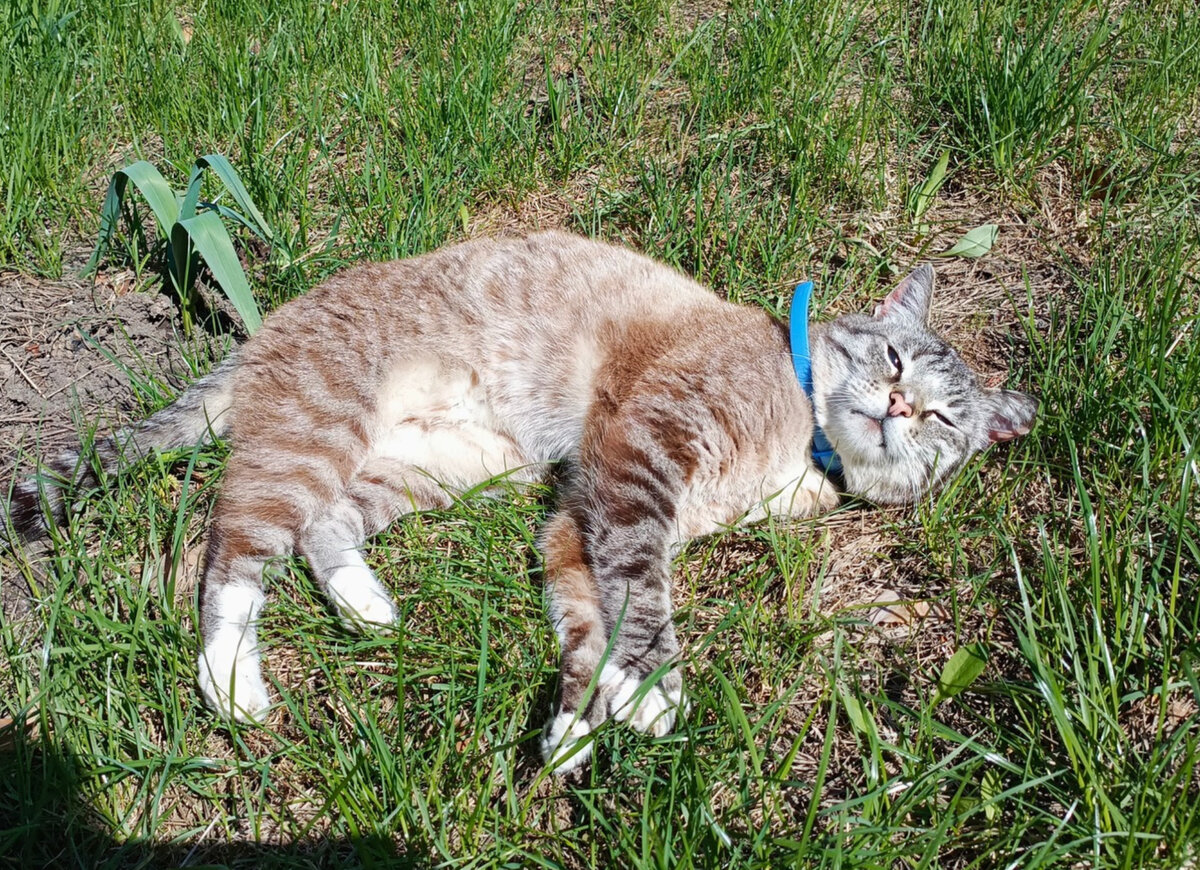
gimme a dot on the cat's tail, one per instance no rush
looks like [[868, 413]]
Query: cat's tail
[[29, 508]]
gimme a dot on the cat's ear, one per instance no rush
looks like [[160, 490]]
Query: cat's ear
[[1009, 415], [910, 299]]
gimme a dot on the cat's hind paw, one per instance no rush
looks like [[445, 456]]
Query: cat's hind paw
[[361, 600], [233, 684], [563, 745], [647, 709]]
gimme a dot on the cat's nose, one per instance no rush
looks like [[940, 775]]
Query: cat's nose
[[898, 406]]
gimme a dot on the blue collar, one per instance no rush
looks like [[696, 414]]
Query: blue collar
[[822, 451]]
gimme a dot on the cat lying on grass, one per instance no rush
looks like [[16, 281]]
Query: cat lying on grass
[[674, 413]]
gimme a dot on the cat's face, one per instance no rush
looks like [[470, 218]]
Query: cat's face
[[899, 405]]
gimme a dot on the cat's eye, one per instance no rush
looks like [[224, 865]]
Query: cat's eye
[[940, 416], [894, 359]]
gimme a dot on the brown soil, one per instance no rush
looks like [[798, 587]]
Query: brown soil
[[69, 346], [70, 351]]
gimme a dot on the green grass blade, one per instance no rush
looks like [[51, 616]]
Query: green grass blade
[[158, 194], [210, 238], [233, 182], [238, 218]]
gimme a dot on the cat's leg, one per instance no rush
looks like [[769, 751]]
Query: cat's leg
[[270, 496], [297, 439], [439, 437], [574, 610], [640, 681], [332, 546], [262, 516], [242, 542], [633, 471], [379, 493]]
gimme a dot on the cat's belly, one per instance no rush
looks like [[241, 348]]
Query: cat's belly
[[539, 391], [433, 414]]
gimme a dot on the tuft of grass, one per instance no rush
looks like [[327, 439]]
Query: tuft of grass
[[189, 229], [1014, 80]]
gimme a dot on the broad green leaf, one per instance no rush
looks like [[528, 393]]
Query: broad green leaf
[[158, 194], [989, 790], [233, 182], [860, 717], [181, 253], [191, 195], [212, 242], [976, 243], [964, 668], [153, 187], [933, 183], [110, 213]]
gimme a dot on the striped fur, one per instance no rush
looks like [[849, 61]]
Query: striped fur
[[393, 386], [198, 415]]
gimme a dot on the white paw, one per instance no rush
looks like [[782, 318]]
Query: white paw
[[360, 598], [561, 747], [650, 710], [232, 682], [229, 672]]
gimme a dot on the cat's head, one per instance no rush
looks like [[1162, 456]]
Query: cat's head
[[902, 409]]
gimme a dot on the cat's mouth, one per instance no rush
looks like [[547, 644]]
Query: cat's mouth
[[874, 427]]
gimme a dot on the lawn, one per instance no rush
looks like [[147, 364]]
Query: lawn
[[752, 144]]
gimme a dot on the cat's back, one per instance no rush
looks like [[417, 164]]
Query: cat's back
[[549, 283], [535, 320], [551, 273]]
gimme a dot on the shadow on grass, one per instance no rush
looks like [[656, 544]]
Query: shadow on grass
[[45, 821]]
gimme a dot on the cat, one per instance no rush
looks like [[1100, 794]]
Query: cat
[[672, 413]]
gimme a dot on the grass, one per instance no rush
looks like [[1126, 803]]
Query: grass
[[752, 144]]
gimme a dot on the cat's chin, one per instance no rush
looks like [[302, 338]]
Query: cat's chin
[[872, 482], [862, 445], [870, 470]]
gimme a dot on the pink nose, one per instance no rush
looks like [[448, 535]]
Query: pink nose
[[898, 407]]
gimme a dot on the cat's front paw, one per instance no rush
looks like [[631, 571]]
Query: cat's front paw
[[562, 748], [650, 709]]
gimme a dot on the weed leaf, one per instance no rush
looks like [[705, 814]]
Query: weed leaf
[[923, 198], [158, 193], [989, 793], [211, 240], [860, 717], [191, 195], [964, 668], [976, 243], [153, 187], [110, 213], [233, 182]]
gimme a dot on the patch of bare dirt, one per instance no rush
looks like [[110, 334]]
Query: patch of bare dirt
[[68, 346], [67, 351]]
